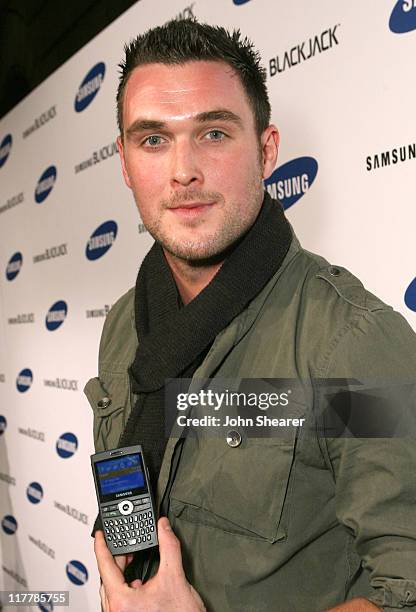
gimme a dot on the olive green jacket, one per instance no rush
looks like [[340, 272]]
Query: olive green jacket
[[299, 523]]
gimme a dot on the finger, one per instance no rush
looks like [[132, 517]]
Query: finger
[[136, 583], [169, 548], [110, 573], [107, 605], [103, 598]]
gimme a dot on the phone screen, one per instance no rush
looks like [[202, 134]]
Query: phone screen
[[120, 477]]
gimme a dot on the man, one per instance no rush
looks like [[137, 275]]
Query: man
[[264, 524]]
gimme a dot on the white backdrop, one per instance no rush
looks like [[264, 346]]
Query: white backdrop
[[347, 109]]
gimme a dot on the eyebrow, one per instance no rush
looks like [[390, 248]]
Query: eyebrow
[[221, 114]]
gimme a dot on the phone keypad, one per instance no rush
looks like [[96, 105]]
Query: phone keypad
[[125, 531]]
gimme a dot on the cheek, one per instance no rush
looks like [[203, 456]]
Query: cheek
[[238, 174], [225, 173], [147, 179]]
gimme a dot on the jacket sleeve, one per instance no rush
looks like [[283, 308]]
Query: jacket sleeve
[[374, 459]]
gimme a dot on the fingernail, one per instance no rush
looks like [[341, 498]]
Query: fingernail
[[167, 526]]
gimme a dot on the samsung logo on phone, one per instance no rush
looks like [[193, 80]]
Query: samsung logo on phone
[[101, 240], [290, 182], [56, 315], [89, 87], [34, 492], [238, 2], [24, 380], [3, 424], [410, 296], [66, 445], [77, 572], [124, 494], [403, 17], [13, 266], [9, 524], [5, 148], [45, 184]]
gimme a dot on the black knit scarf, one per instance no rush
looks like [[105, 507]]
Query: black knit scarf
[[174, 339]]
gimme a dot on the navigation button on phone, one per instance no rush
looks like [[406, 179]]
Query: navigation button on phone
[[125, 507]]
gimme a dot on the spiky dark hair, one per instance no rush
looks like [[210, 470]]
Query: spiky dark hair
[[183, 40]]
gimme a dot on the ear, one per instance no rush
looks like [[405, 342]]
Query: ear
[[120, 148], [269, 149]]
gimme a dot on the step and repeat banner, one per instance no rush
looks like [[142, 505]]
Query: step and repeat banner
[[71, 241]]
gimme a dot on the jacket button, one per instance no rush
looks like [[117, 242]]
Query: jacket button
[[234, 438], [334, 271], [104, 402]]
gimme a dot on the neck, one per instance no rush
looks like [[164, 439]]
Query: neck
[[190, 278]]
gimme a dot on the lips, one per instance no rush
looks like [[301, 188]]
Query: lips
[[191, 205], [191, 210]]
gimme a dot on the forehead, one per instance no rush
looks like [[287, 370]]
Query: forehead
[[166, 91]]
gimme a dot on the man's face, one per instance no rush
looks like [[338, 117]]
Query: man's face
[[192, 156]]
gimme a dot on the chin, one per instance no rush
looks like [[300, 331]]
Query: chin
[[202, 255]]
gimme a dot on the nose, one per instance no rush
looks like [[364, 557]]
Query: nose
[[185, 167]]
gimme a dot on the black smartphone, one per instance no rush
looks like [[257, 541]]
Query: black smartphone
[[125, 499]]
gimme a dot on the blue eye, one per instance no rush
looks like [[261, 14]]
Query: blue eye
[[216, 135], [153, 140]]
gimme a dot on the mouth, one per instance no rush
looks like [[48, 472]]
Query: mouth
[[191, 209]]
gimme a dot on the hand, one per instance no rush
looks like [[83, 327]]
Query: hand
[[122, 561], [167, 591], [359, 604]]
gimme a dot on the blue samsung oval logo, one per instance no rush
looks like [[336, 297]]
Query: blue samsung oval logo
[[13, 266], [34, 492], [238, 2], [3, 424], [66, 445], [5, 148], [101, 240], [45, 184], [24, 380], [403, 17], [89, 87], [290, 182], [9, 524], [410, 296], [77, 572], [56, 315]]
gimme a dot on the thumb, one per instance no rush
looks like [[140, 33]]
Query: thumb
[[169, 549]]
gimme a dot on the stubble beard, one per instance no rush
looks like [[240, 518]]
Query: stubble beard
[[210, 247]]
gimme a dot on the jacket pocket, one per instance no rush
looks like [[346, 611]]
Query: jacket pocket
[[242, 490], [110, 403]]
